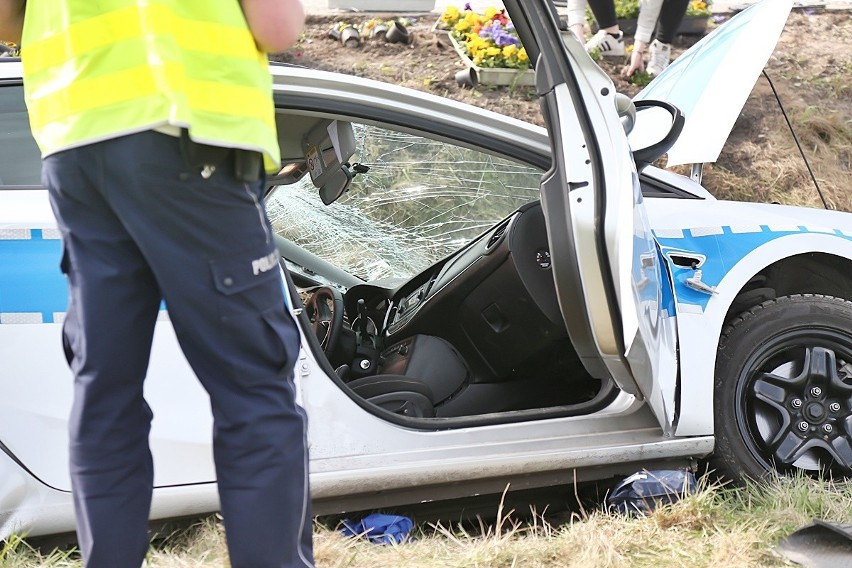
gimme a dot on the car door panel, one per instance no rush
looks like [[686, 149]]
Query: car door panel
[[593, 194]]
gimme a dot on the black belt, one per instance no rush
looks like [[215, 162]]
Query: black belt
[[248, 165]]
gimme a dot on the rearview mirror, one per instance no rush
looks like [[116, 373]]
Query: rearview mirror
[[335, 185]]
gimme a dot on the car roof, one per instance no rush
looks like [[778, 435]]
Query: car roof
[[11, 68]]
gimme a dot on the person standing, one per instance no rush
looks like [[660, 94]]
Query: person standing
[[609, 38], [664, 15], [156, 126]]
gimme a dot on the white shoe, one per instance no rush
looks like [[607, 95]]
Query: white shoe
[[659, 56], [609, 45]]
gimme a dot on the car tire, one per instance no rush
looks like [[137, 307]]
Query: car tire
[[783, 390]]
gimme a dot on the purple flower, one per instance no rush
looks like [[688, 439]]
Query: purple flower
[[498, 34], [467, 7], [503, 39]]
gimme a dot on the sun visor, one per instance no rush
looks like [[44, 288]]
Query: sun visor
[[326, 148]]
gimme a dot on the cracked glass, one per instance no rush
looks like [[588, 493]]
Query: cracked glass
[[421, 200]]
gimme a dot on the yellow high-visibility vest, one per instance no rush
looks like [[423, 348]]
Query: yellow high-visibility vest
[[99, 70]]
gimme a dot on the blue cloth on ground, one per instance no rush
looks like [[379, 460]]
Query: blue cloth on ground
[[379, 528]]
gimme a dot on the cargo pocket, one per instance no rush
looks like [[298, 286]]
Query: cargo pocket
[[260, 336]]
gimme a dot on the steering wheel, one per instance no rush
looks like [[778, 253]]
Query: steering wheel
[[324, 307]]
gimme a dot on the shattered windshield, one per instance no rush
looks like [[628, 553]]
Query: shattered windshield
[[420, 200]]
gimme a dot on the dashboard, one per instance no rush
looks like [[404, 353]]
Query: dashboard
[[494, 300]]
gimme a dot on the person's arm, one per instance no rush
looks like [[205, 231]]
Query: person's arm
[[577, 18], [275, 24], [649, 12], [12, 20]]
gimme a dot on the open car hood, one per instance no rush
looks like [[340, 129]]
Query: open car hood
[[712, 80]]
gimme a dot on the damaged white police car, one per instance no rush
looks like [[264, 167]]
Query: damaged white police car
[[484, 301]]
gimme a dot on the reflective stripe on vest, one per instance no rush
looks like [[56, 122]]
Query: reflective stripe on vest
[[97, 70]]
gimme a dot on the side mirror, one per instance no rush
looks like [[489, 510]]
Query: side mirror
[[626, 111], [335, 185], [657, 126]]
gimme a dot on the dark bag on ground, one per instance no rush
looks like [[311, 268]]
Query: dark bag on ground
[[643, 491]]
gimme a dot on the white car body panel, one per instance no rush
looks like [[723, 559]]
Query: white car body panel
[[353, 451], [700, 227], [34, 418]]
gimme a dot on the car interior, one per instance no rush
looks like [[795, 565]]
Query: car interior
[[475, 337]]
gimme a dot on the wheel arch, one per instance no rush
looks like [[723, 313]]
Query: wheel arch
[[804, 273]]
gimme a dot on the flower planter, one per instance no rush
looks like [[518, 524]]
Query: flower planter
[[693, 25], [383, 5], [439, 28], [490, 75]]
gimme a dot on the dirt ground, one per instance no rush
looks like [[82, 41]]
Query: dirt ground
[[811, 68]]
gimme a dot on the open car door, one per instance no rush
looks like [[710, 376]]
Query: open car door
[[611, 289]]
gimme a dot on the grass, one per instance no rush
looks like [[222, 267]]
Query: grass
[[716, 526]]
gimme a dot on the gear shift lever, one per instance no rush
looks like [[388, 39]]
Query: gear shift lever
[[366, 355], [362, 317]]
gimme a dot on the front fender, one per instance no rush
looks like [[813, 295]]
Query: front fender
[[733, 257]]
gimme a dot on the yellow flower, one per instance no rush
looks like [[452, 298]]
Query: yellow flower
[[698, 8], [522, 54], [451, 15], [492, 51], [491, 12], [474, 42], [462, 26], [510, 50]]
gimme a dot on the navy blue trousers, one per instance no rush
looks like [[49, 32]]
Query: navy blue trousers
[[139, 226]]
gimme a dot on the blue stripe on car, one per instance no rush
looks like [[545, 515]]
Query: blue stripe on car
[[32, 288], [30, 279], [723, 247]]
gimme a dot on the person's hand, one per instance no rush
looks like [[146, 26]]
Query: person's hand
[[12, 20], [275, 24], [637, 59]]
